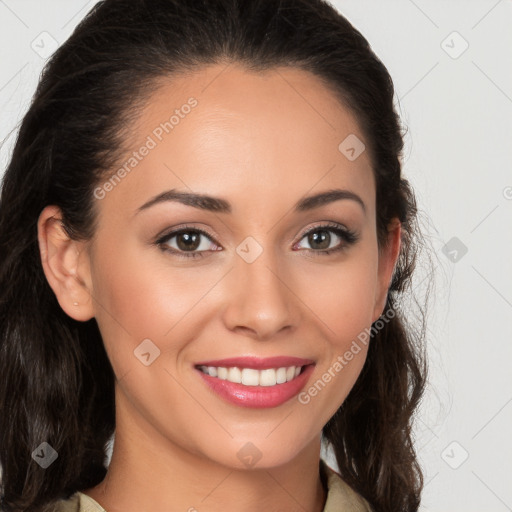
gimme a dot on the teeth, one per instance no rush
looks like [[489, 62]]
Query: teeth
[[252, 377], [281, 375], [234, 375]]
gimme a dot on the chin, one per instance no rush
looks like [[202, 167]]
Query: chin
[[260, 452]]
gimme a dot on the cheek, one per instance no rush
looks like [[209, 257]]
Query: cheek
[[138, 295], [342, 303], [341, 297]]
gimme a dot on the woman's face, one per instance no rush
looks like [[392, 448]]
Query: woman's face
[[248, 277]]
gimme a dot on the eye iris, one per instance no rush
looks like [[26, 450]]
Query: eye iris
[[188, 241], [314, 238]]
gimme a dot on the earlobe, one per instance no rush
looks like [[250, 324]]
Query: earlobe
[[388, 257], [65, 265]]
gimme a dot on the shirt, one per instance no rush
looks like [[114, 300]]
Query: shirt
[[340, 497]]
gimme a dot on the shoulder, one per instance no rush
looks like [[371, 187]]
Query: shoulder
[[78, 502], [340, 496]]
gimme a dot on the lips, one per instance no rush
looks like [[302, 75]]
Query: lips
[[267, 393]]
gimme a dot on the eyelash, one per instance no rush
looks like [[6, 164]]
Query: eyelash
[[348, 236]]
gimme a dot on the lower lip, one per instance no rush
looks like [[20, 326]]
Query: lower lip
[[257, 397]]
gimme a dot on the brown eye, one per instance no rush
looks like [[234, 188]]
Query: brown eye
[[319, 239], [188, 241]]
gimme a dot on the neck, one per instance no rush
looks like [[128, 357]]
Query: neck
[[150, 472]]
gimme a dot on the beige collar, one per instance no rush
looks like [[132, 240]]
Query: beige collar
[[340, 496]]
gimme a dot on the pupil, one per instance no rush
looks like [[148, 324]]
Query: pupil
[[322, 239], [187, 241]]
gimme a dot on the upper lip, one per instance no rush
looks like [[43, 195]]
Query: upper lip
[[258, 363]]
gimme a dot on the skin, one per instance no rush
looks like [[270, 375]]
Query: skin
[[262, 142]]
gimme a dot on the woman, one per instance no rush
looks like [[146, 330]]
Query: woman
[[205, 237]]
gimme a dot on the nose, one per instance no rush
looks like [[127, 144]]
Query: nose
[[259, 298]]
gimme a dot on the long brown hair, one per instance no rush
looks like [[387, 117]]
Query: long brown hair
[[57, 382]]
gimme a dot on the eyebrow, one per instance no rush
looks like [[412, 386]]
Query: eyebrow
[[217, 204]]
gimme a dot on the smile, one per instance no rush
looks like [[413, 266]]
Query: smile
[[253, 377], [256, 387]]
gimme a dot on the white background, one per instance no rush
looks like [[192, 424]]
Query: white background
[[458, 110]]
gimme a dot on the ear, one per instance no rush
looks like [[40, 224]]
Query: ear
[[66, 265], [388, 256]]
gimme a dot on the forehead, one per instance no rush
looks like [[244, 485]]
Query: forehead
[[253, 137]]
